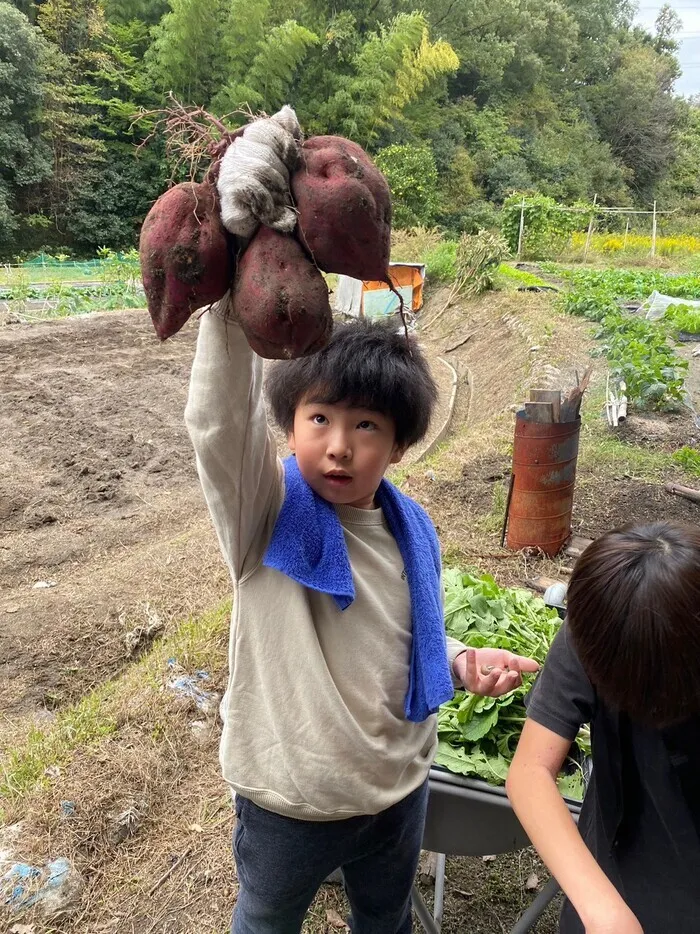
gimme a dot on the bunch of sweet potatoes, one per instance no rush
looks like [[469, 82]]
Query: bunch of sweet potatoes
[[278, 293]]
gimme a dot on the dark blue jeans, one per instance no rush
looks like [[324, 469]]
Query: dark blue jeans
[[282, 861]]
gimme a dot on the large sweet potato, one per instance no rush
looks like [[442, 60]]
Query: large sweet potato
[[186, 261], [344, 207], [280, 298]]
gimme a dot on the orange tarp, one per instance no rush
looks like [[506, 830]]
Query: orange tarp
[[402, 276]]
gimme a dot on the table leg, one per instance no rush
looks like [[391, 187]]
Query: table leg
[[422, 912], [439, 889], [536, 909]]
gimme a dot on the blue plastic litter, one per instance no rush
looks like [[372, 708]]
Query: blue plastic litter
[[23, 886], [189, 686], [15, 883]]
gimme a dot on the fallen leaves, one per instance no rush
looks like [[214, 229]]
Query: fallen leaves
[[335, 921]]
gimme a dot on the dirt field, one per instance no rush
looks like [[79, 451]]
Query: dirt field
[[98, 498]]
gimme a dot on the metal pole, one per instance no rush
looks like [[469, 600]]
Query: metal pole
[[653, 232], [590, 229], [422, 912], [439, 890], [522, 228], [536, 909], [627, 230]]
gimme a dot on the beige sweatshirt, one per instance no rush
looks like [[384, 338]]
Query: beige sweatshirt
[[314, 726]]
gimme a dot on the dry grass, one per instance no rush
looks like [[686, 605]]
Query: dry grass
[[411, 246]]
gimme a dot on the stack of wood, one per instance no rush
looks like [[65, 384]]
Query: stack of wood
[[548, 406]]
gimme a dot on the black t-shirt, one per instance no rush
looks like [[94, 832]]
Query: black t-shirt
[[655, 862]]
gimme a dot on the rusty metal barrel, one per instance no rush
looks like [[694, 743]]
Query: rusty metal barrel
[[544, 474]]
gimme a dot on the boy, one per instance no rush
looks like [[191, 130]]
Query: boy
[[626, 661], [337, 651]]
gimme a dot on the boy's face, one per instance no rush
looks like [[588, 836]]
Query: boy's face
[[343, 452]]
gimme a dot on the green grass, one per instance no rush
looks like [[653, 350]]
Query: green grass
[[492, 522], [441, 262], [11, 275], [26, 766], [509, 277], [689, 459], [197, 644], [608, 453]]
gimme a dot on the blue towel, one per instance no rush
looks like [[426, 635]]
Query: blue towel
[[308, 545]]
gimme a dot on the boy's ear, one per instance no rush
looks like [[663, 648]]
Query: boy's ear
[[397, 455], [291, 443]]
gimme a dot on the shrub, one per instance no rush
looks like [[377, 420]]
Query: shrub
[[413, 244], [548, 226], [413, 179], [441, 262]]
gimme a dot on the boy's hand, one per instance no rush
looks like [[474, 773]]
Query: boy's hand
[[491, 672]]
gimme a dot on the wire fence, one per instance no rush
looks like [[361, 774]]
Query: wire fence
[[47, 269], [615, 231]]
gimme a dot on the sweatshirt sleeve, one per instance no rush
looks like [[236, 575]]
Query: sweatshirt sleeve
[[234, 449]]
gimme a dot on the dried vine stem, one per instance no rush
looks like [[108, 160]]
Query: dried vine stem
[[192, 134], [392, 288]]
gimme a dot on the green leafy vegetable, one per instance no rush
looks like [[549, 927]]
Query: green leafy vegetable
[[684, 318], [477, 736], [638, 351]]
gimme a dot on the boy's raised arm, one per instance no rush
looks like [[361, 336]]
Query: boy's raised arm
[[235, 452]]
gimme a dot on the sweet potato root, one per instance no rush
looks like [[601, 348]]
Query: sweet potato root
[[280, 298], [344, 207], [185, 257]]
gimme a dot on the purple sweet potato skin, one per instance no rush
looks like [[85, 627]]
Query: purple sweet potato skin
[[280, 299], [185, 257], [344, 206]]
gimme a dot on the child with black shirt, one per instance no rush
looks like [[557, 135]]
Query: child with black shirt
[[627, 661]]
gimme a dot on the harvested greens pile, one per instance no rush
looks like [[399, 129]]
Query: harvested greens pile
[[478, 735]]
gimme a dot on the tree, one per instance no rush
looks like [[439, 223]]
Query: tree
[[265, 83], [28, 7], [567, 98], [684, 178], [187, 56], [24, 158], [128, 11], [637, 114], [391, 69], [92, 87], [412, 177], [668, 24]]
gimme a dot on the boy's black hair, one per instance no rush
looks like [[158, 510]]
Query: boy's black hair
[[364, 365], [633, 608]]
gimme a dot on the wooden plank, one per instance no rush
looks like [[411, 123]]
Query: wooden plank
[[686, 492], [548, 395], [541, 584], [577, 546], [540, 412]]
